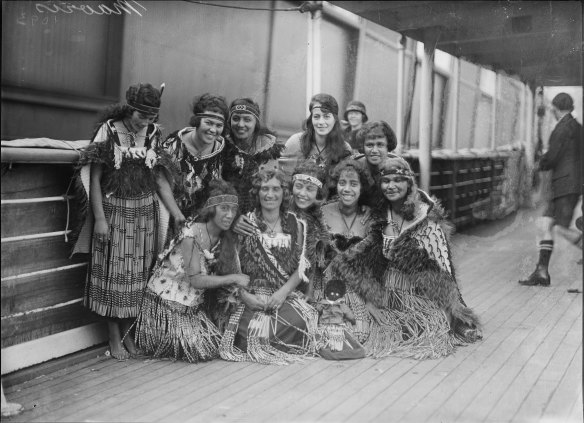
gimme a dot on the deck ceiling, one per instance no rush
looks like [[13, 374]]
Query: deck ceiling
[[540, 41]]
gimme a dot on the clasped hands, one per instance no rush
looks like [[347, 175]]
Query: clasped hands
[[256, 303]]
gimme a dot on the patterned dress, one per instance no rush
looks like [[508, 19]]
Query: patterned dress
[[196, 172], [410, 278], [287, 334], [119, 267], [171, 322]]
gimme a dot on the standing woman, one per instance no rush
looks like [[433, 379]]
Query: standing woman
[[322, 140], [404, 271], [204, 256], [347, 221], [120, 173], [198, 152], [356, 116], [273, 324], [250, 146]]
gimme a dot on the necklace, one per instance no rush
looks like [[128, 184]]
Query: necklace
[[129, 135], [393, 223], [349, 232], [271, 230], [320, 160]]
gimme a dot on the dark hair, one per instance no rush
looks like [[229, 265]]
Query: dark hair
[[359, 168], [563, 102], [408, 207], [337, 285], [216, 187], [335, 141], [263, 176], [209, 103], [259, 129], [138, 93], [309, 167], [376, 129]]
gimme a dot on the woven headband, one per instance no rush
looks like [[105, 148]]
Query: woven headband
[[244, 108], [307, 178], [402, 172], [221, 199], [144, 108], [210, 115]]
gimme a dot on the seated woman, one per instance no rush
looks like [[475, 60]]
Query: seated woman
[[308, 193], [404, 271], [347, 221], [250, 146], [376, 140], [171, 322], [273, 324]]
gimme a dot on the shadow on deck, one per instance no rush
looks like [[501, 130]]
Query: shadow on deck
[[528, 367]]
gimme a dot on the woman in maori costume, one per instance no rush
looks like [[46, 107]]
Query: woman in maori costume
[[120, 177], [404, 271], [250, 147], [273, 324], [204, 255]]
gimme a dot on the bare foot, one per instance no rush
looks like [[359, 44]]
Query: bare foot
[[118, 351]]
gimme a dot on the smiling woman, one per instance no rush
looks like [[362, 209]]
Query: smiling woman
[[198, 152]]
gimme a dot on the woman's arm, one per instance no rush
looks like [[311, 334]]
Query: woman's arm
[[278, 297], [100, 227], [191, 257], [165, 192]]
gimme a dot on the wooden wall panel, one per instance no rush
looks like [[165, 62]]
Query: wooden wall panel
[[42, 290], [20, 180], [25, 327], [39, 217]]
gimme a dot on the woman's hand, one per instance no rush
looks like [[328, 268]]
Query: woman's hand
[[179, 221], [240, 279], [244, 226], [101, 230], [252, 301], [277, 299]]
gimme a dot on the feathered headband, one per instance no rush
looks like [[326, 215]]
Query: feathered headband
[[144, 108]]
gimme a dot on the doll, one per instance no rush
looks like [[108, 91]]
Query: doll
[[336, 342]]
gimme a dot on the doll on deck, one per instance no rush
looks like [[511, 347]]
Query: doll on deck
[[335, 342]]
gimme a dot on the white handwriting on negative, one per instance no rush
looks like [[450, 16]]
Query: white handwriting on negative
[[118, 7]]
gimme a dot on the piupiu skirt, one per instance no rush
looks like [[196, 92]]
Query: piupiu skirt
[[120, 267]]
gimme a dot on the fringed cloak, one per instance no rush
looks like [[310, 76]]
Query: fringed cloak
[[287, 334], [239, 166], [412, 282]]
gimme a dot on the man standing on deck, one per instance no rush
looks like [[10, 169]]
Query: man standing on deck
[[564, 160]]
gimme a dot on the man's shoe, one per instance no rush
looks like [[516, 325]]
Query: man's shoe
[[538, 277]]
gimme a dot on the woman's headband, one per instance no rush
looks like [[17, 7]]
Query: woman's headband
[[307, 178], [143, 108], [245, 108], [211, 115], [221, 199], [397, 171]]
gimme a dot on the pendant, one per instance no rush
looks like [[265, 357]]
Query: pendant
[[393, 224], [272, 234], [349, 234]]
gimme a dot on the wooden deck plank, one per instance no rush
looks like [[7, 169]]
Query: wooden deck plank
[[415, 388], [96, 390], [533, 406], [148, 395], [570, 383]]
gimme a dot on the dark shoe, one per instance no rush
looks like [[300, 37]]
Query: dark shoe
[[538, 277]]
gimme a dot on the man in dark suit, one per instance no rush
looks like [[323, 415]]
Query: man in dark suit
[[564, 160]]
